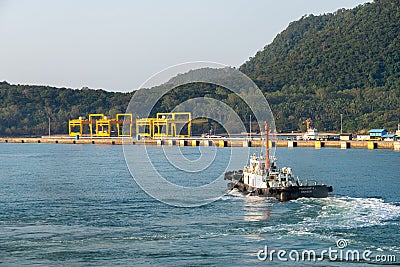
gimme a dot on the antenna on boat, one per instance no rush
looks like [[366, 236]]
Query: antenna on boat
[[267, 163]]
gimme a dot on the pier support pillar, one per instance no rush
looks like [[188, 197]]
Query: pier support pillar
[[344, 145], [195, 142], [160, 142], [396, 145], [222, 143], [291, 144], [270, 144], [182, 143], [317, 144], [171, 142], [207, 143], [372, 145], [247, 143]]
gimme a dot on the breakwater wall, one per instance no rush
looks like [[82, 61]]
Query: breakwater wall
[[220, 142]]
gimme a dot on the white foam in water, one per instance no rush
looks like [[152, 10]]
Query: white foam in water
[[312, 215], [236, 193], [349, 213], [338, 213]]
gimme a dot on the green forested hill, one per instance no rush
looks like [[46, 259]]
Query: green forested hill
[[24, 109], [320, 67]]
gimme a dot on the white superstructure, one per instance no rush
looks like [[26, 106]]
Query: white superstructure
[[311, 134], [256, 175]]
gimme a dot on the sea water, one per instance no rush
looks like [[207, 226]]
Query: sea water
[[78, 205]]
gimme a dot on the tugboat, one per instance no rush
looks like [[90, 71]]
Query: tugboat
[[263, 178]]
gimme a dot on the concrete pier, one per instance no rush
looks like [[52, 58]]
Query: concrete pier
[[220, 142]]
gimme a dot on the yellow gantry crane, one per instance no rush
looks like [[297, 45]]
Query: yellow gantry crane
[[165, 124], [121, 119], [102, 126], [76, 126]]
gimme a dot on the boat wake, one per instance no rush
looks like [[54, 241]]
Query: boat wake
[[333, 218], [349, 213], [311, 215], [325, 219]]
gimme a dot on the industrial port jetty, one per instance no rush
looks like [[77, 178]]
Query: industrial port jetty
[[99, 129], [193, 141]]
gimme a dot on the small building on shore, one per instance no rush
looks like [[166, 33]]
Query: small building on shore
[[346, 137], [362, 137], [389, 137], [377, 134]]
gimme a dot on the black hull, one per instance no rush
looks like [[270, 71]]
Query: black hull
[[281, 193]]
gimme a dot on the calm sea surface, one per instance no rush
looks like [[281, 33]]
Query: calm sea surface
[[78, 205]]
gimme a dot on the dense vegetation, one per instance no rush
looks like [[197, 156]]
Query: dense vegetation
[[24, 109], [320, 67], [345, 63]]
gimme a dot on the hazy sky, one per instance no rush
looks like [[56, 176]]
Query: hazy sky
[[117, 45]]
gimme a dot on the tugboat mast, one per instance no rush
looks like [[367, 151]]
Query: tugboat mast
[[267, 163]]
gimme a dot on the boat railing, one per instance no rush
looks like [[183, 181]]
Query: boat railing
[[308, 182]]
